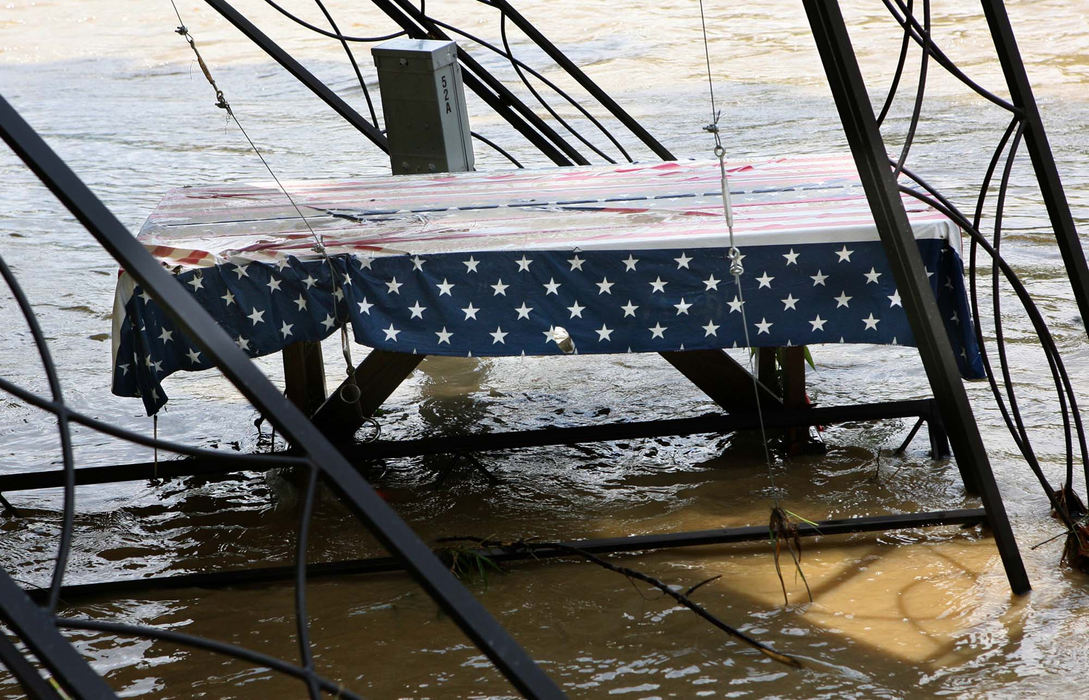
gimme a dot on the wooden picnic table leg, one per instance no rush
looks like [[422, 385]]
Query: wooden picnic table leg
[[792, 364], [766, 369], [377, 376], [730, 385], [723, 379], [792, 369], [304, 375]]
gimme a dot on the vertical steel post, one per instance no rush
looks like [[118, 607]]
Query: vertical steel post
[[871, 158], [1043, 161]]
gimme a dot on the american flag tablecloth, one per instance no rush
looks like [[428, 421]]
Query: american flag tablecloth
[[615, 259]]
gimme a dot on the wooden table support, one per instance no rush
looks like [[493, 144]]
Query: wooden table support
[[789, 366], [714, 372], [780, 381], [377, 376], [304, 376], [723, 379]]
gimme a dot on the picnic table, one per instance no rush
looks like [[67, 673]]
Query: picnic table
[[582, 260]]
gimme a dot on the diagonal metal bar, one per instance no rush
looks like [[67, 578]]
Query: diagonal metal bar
[[20, 667], [860, 126], [1043, 161], [393, 533], [301, 73]]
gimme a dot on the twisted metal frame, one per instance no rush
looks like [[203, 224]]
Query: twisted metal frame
[[1023, 118], [38, 628]]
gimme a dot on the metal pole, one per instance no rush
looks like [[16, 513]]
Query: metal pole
[[191, 318], [860, 127], [304, 76], [1043, 161], [19, 665], [634, 543], [25, 480]]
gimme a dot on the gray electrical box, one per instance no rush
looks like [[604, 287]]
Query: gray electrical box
[[424, 106]]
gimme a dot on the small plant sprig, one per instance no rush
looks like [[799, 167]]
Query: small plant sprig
[[784, 535]]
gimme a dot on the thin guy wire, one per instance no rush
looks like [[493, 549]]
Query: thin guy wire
[[710, 82], [319, 242], [223, 104], [734, 254]]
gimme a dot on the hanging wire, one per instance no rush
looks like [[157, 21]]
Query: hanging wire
[[302, 619], [64, 417], [734, 254], [73, 416], [155, 434], [1013, 420], [920, 90], [496, 147], [529, 86], [935, 199], [335, 34], [350, 392], [713, 126], [1052, 356], [351, 59], [894, 84], [904, 18], [188, 640], [521, 67], [1064, 503]]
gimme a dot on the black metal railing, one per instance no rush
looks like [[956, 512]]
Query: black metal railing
[[38, 628]]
